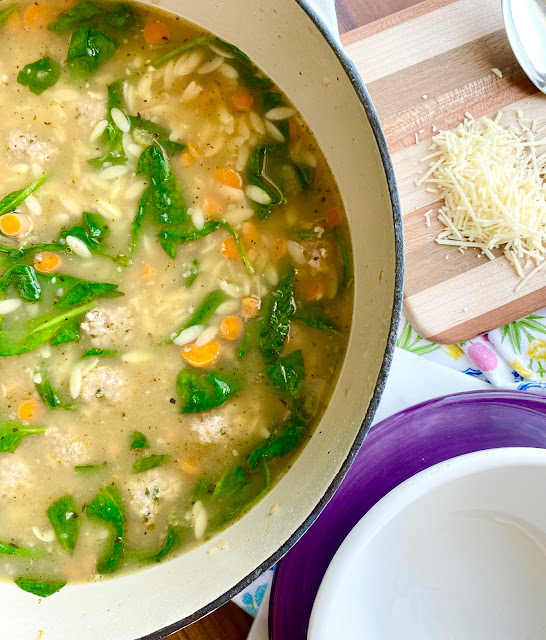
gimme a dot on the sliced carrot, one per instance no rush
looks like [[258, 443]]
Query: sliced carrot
[[295, 132], [333, 217], [189, 466], [213, 207], [315, 289], [231, 328], [46, 262], [147, 273], [229, 249], [250, 232], [242, 100], [156, 32], [14, 23], [15, 225], [29, 411], [186, 159], [280, 249], [194, 150], [229, 177], [38, 15], [204, 356], [250, 307]]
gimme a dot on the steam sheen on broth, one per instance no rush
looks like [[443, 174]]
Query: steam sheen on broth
[[175, 288]]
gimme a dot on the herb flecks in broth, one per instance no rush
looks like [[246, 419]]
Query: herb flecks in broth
[[175, 288]]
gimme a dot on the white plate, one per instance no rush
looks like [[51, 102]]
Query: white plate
[[455, 553]]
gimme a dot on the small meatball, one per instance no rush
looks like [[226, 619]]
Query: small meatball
[[14, 475], [209, 427], [64, 447], [106, 327], [103, 383], [26, 147], [90, 111], [151, 489]]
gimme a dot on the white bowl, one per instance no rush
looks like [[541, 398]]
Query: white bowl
[[457, 552]]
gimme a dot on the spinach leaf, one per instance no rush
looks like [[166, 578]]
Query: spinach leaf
[[39, 587], [250, 338], [138, 221], [193, 272], [103, 353], [201, 490], [13, 200], [280, 444], [305, 233], [6, 12], [20, 253], [8, 549], [345, 259], [165, 202], [49, 396], [279, 309], [204, 311], [40, 75], [112, 136], [264, 171], [182, 234], [92, 231], [248, 74], [70, 332], [66, 522], [13, 433], [202, 391], [183, 48], [316, 319], [150, 462], [304, 175], [30, 335], [85, 468], [287, 375], [107, 508], [24, 280], [122, 17], [230, 482], [139, 440], [172, 541], [270, 100], [145, 132], [89, 49], [85, 291], [82, 12]]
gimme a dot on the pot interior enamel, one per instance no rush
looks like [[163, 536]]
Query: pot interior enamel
[[282, 39]]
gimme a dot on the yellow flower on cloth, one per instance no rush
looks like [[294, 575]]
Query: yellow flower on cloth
[[537, 350], [518, 366], [453, 351]]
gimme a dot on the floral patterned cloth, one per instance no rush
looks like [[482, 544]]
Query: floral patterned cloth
[[512, 357]]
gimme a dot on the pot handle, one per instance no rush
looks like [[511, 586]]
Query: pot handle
[[326, 10]]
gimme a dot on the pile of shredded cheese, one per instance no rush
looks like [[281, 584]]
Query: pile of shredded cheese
[[492, 181]]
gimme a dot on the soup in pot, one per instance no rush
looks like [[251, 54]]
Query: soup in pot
[[175, 288]]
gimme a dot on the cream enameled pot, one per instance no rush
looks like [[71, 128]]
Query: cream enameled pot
[[290, 42]]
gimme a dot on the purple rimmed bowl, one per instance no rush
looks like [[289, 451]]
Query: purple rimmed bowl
[[395, 450]]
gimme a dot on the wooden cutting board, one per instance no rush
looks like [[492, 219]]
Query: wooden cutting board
[[424, 68]]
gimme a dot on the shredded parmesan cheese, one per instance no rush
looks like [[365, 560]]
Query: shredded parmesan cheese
[[492, 182]]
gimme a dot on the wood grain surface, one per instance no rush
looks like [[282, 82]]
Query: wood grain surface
[[444, 71]]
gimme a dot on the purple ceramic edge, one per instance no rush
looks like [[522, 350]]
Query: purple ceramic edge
[[516, 400]]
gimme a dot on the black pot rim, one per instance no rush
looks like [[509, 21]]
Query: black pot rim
[[373, 118]]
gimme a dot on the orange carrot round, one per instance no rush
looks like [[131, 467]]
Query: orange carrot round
[[15, 225], [250, 232], [13, 24], [203, 356], [29, 411], [156, 32], [212, 207], [280, 249], [147, 273], [189, 466], [315, 290], [229, 177], [243, 100], [46, 262], [38, 15], [333, 217], [231, 328], [229, 249]]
